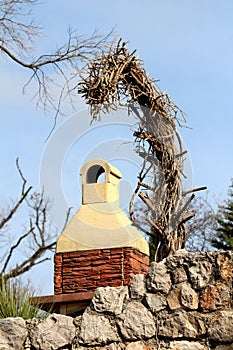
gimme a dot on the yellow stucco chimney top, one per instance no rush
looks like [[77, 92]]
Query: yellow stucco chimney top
[[99, 192], [99, 223]]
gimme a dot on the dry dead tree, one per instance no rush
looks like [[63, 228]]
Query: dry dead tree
[[56, 70], [201, 230], [35, 239], [116, 76]]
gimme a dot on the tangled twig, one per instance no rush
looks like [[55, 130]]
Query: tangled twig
[[119, 75]]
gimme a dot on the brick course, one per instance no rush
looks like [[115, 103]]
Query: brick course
[[83, 271]]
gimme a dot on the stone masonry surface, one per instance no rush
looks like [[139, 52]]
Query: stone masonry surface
[[184, 303]]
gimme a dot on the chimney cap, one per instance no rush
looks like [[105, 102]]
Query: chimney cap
[[98, 166]]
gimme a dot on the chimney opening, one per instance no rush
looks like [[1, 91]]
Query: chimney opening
[[95, 174]]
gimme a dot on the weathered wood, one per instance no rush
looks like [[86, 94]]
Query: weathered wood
[[110, 78]]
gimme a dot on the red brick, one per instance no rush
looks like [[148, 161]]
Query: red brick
[[106, 251], [99, 262], [117, 251], [111, 269], [116, 254], [58, 257], [104, 277], [82, 253], [80, 268]]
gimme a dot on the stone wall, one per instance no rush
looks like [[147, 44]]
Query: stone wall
[[84, 271], [184, 303]]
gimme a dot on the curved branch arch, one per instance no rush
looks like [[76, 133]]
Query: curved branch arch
[[111, 79]]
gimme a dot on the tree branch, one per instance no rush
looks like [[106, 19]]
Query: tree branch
[[38, 236], [24, 194], [17, 37]]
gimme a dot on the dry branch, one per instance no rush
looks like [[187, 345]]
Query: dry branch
[[56, 70], [36, 238], [118, 76]]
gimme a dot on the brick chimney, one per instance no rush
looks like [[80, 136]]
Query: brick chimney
[[99, 247]]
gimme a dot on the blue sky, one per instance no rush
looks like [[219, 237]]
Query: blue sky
[[187, 45]]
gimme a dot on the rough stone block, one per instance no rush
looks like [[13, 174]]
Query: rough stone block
[[187, 345], [156, 302], [224, 263], [138, 345], [136, 322], [181, 324], [55, 332], [13, 333], [200, 273], [179, 275], [109, 299], [216, 297], [158, 279], [221, 326], [224, 347], [183, 296], [177, 259], [96, 330], [137, 286]]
